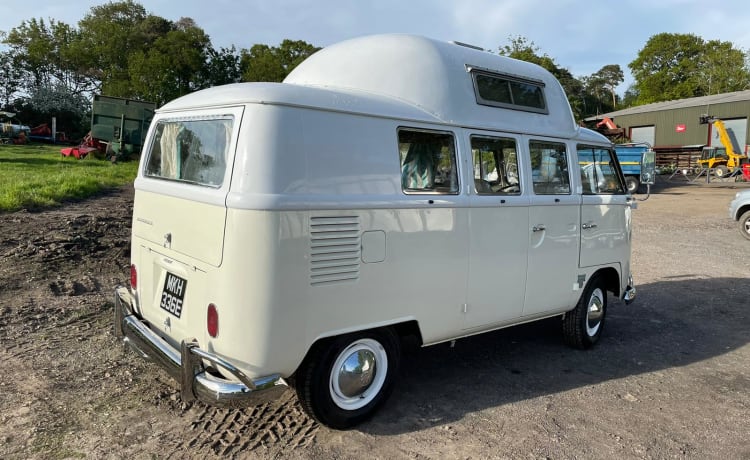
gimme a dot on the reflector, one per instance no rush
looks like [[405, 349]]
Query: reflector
[[212, 320]]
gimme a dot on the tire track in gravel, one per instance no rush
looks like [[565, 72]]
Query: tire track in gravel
[[280, 426]]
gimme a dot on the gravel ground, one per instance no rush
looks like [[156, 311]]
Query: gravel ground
[[669, 379]]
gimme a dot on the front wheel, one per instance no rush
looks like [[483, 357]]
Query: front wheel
[[721, 171], [583, 325], [343, 381], [744, 224]]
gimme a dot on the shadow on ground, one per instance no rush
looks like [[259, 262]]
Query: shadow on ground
[[673, 323]]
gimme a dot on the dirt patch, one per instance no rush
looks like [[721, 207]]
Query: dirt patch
[[670, 377]]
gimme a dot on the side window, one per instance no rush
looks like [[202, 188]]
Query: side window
[[599, 171], [495, 162], [193, 151], [428, 162], [549, 168]]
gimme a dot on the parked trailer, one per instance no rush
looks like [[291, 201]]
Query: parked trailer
[[629, 156], [120, 124]]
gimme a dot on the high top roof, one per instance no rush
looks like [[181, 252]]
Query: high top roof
[[433, 75], [405, 77]]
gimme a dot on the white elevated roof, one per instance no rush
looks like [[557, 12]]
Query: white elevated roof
[[433, 75], [405, 77]]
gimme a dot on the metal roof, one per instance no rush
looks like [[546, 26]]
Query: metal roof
[[737, 96]]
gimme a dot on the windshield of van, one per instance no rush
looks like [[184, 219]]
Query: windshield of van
[[193, 151]]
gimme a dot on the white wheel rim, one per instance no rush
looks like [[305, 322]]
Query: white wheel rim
[[358, 374], [595, 312]]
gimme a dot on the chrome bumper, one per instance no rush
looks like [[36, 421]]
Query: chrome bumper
[[629, 295], [186, 365]]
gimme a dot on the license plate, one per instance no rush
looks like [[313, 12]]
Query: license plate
[[173, 294]]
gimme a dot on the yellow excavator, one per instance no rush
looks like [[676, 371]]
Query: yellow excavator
[[723, 161]]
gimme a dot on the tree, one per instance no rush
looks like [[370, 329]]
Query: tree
[[11, 79], [173, 66], [109, 34], [723, 69], [522, 49], [610, 76], [42, 53], [676, 66], [267, 63], [223, 67]]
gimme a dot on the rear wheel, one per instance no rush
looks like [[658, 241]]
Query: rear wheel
[[632, 183], [583, 325], [343, 381], [744, 224]]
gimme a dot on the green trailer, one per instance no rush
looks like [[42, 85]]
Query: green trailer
[[121, 124]]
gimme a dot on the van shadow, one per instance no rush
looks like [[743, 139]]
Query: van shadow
[[672, 323]]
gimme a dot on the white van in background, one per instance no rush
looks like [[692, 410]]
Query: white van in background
[[393, 185]]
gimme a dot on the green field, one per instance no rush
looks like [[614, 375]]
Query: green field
[[38, 176]]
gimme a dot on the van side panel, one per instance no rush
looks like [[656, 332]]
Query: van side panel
[[271, 281]]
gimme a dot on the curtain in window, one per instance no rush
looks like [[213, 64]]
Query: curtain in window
[[418, 171], [169, 152]]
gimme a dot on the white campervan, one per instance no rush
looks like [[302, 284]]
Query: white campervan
[[293, 233]]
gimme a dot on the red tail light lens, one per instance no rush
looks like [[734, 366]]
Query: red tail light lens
[[133, 277], [212, 320]]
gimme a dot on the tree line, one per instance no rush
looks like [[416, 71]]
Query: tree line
[[50, 68]]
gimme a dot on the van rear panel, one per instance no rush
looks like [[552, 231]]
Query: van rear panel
[[179, 218]]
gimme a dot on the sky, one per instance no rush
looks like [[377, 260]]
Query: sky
[[580, 36]]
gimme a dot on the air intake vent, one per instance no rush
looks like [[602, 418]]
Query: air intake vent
[[335, 249]]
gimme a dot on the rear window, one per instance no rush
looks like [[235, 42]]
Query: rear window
[[193, 151]]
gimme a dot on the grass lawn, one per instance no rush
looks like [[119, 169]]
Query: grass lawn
[[38, 176]]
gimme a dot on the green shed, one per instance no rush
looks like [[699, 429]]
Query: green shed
[[674, 128]]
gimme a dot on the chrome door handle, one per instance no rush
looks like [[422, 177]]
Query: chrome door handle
[[588, 226], [538, 228]]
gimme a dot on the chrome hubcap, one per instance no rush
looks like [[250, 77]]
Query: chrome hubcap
[[595, 312], [747, 226], [358, 374]]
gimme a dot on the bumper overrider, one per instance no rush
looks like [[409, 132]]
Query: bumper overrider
[[187, 364], [629, 295]]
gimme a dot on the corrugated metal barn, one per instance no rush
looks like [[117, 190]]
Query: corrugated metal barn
[[673, 128]]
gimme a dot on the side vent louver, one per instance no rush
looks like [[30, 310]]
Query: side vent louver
[[335, 249]]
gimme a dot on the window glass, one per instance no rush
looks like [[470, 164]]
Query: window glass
[[193, 151], [428, 162], [504, 91], [549, 168], [599, 171], [495, 166], [527, 95]]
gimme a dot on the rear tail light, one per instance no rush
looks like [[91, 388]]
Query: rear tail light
[[133, 277], [212, 320]]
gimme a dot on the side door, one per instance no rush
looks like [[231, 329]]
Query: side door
[[553, 231], [605, 210], [499, 217]]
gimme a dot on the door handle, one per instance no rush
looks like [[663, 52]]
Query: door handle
[[538, 228], [588, 226]]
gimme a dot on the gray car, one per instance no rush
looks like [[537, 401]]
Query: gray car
[[739, 210]]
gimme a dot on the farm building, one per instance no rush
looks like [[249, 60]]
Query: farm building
[[675, 130]]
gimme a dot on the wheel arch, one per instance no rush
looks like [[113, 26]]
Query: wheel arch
[[405, 331], [741, 210], [611, 278]]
